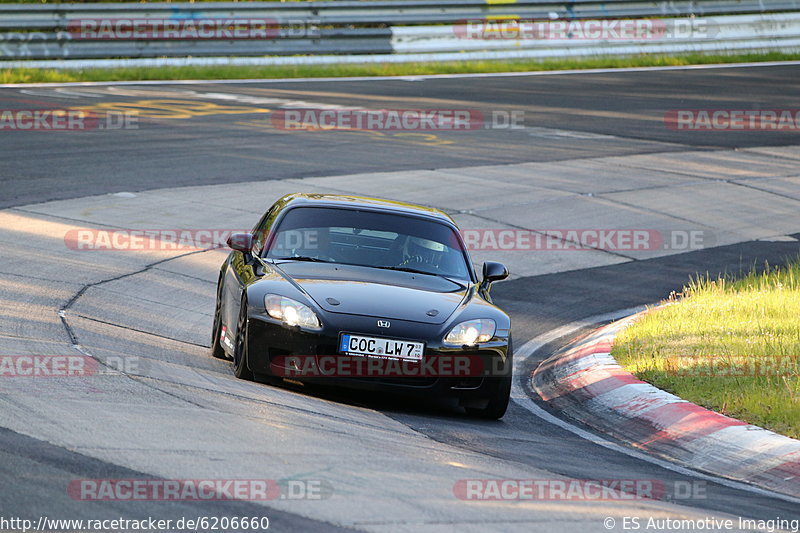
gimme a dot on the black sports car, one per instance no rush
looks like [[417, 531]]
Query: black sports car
[[365, 293]]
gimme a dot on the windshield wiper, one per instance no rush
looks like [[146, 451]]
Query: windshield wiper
[[301, 258], [409, 269], [424, 272]]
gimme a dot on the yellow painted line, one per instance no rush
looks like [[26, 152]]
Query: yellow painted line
[[420, 139], [500, 2], [417, 138], [258, 158], [503, 17], [171, 109], [427, 139]]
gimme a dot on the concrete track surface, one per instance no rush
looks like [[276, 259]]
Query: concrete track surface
[[593, 153]]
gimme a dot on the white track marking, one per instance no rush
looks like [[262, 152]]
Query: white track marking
[[77, 94], [48, 94]]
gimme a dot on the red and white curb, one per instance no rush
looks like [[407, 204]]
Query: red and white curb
[[586, 384]]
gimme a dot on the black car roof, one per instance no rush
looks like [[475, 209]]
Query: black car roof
[[352, 202]]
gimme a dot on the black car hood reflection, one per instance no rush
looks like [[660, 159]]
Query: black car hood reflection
[[375, 292]]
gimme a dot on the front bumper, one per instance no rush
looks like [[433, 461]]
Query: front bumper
[[272, 344]]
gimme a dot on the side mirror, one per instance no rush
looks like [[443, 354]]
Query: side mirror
[[241, 242], [494, 272]]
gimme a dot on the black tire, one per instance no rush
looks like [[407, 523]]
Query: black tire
[[496, 407], [240, 368], [216, 346]]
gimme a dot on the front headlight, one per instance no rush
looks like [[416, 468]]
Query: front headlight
[[471, 332], [291, 312]]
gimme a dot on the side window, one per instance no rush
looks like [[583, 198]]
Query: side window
[[261, 230]]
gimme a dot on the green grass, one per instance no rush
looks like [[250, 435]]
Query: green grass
[[393, 69], [730, 346]]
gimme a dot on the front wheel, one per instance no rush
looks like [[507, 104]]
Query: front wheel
[[240, 369], [496, 407]]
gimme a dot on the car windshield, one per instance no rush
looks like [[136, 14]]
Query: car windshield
[[369, 238]]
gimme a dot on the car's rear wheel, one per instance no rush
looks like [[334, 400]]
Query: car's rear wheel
[[240, 368], [216, 335]]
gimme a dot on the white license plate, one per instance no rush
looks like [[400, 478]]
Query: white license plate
[[377, 347]]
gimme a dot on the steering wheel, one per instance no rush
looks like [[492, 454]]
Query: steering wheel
[[412, 260]]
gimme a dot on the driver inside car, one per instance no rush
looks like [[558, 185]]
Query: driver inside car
[[422, 251]]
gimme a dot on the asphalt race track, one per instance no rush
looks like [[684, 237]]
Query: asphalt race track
[[616, 114], [593, 152]]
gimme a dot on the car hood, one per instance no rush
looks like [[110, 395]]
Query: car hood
[[389, 294]]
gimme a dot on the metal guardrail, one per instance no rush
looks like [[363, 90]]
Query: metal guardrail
[[48, 31], [390, 12], [61, 45], [733, 32]]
